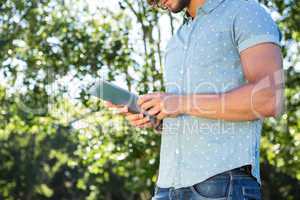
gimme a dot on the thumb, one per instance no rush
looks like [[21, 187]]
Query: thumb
[[123, 110]]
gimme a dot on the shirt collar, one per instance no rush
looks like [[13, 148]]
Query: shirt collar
[[206, 8], [209, 5]]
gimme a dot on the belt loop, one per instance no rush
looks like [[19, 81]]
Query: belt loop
[[247, 169], [230, 186], [171, 191]]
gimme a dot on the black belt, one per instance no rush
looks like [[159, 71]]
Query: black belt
[[246, 169], [241, 170]]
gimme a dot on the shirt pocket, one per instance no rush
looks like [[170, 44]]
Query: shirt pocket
[[214, 188], [173, 54], [211, 48]]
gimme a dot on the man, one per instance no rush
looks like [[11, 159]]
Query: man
[[223, 76]]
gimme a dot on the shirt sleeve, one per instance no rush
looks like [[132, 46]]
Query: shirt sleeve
[[253, 25]]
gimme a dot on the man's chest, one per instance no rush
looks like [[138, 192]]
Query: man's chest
[[202, 57]]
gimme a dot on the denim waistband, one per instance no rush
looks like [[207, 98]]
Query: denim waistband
[[243, 170]]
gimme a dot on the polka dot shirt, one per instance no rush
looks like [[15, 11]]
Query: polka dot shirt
[[203, 56]]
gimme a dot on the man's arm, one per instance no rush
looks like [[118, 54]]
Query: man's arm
[[261, 97]]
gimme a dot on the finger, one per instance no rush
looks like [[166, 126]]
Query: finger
[[161, 116], [144, 98], [141, 121], [128, 114], [154, 111], [108, 104], [146, 125], [149, 104], [157, 122], [134, 117], [122, 110]]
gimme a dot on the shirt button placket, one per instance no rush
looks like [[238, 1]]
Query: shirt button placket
[[178, 151]]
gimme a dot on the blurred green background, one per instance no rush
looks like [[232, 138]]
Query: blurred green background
[[58, 143]]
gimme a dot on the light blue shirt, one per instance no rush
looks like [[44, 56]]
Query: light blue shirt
[[204, 57]]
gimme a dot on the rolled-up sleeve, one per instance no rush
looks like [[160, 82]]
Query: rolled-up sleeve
[[253, 25]]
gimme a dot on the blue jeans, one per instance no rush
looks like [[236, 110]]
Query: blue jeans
[[235, 184]]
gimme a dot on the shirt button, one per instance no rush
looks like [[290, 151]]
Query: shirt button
[[185, 47], [181, 71], [177, 151]]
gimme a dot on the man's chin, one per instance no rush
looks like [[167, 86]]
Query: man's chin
[[175, 10], [179, 6]]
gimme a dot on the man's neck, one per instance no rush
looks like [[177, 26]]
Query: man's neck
[[192, 7]]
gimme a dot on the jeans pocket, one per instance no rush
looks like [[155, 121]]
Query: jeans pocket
[[251, 192], [216, 188]]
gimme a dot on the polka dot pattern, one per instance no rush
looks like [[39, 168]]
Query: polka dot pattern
[[203, 56]]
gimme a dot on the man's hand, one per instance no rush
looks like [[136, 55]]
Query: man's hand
[[162, 104], [138, 120]]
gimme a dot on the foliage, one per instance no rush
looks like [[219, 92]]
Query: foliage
[[57, 144]]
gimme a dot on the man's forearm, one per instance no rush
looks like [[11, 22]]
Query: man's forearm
[[244, 103]]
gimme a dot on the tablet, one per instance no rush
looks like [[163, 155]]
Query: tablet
[[110, 92]]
